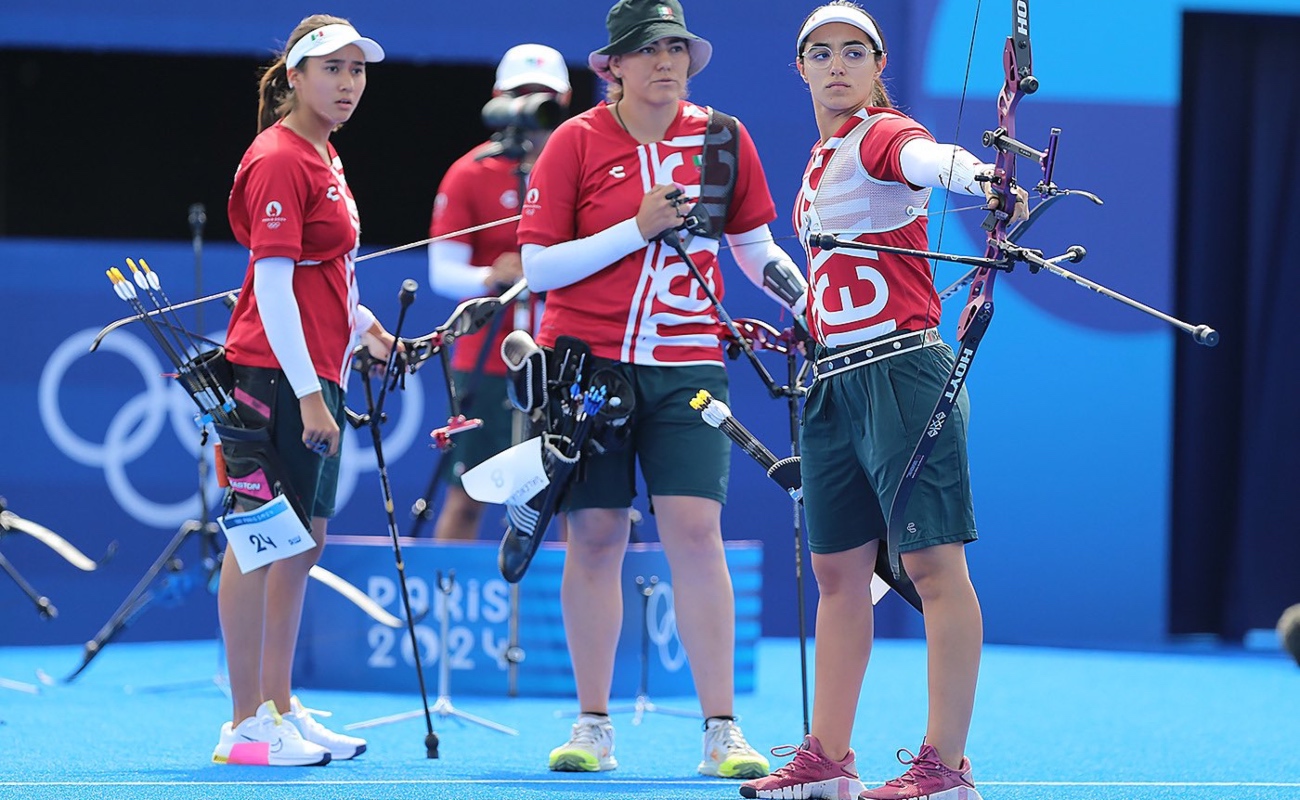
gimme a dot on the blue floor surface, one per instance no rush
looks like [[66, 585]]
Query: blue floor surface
[[1062, 724]]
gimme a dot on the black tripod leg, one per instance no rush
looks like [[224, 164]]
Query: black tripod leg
[[43, 604], [136, 601]]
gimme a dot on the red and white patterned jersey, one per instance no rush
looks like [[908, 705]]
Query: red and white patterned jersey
[[288, 202], [473, 193], [854, 188], [647, 308]]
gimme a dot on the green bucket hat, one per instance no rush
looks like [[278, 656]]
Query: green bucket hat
[[633, 24]]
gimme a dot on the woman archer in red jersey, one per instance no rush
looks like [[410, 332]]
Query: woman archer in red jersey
[[601, 194], [289, 344]]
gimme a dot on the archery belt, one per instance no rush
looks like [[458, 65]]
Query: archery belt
[[877, 350]]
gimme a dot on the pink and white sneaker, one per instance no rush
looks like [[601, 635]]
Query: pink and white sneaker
[[267, 740], [927, 778], [810, 774]]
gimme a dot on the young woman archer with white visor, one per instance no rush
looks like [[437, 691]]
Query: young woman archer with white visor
[[881, 366]]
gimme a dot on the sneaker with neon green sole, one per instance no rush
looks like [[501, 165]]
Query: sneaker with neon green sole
[[727, 754], [590, 747]]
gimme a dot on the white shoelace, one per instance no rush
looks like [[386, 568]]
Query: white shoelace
[[588, 733], [732, 739], [314, 712], [306, 717]]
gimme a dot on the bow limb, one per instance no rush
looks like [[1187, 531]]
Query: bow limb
[[11, 522], [232, 293], [112, 326], [1018, 81], [469, 317], [355, 596]]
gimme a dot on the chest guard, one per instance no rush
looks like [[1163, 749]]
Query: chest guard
[[849, 202]]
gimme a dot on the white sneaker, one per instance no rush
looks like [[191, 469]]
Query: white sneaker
[[727, 754], [267, 740], [341, 746], [590, 747]]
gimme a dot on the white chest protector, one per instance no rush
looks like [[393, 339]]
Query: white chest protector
[[849, 202]]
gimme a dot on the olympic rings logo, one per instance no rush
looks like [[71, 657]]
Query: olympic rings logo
[[661, 622], [137, 425]]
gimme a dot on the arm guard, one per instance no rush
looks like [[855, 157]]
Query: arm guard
[[782, 279]]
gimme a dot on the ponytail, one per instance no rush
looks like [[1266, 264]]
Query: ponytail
[[275, 96]]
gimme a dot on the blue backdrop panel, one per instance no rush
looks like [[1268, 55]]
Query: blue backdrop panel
[[339, 647]]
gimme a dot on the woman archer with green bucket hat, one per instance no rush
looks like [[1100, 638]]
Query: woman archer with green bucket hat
[[610, 181]]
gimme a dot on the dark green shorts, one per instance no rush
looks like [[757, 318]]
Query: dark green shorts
[[858, 433], [681, 455], [490, 404], [315, 479]]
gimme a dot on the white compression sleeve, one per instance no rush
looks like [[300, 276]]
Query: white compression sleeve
[[363, 319], [753, 251], [941, 166], [567, 263], [273, 286], [452, 275]]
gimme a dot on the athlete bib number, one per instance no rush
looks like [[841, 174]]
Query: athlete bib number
[[265, 534]]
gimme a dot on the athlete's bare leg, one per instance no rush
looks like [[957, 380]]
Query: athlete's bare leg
[[691, 531]]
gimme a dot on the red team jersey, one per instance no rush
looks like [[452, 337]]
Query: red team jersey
[[856, 295], [288, 202], [647, 308], [472, 193]]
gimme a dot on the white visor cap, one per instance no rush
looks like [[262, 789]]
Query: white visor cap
[[331, 39], [529, 64], [845, 14]]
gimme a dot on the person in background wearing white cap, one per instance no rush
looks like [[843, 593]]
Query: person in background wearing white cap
[[598, 201], [483, 186], [881, 367], [289, 341]]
